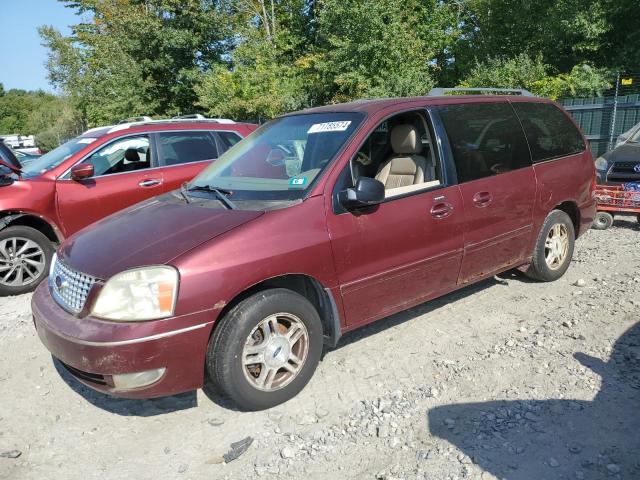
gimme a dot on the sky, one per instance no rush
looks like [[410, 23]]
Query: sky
[[22, 56]]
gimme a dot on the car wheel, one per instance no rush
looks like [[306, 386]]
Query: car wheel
[[25, 255], [602, 221], [553, 249], [265, 349]]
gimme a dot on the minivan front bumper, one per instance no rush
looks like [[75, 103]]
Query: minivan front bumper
[[169, 353]]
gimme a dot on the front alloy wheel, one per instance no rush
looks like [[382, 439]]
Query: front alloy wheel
[[275, 351], [25, 254], [265, 349]]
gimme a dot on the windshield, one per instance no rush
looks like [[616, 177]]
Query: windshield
[[55, 157], [636, 137], [280, 160]]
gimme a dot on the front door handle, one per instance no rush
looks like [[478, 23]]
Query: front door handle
[[441, 210], [482, 199], [150, 182]]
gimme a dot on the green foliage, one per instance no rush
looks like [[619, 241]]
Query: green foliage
[[135, 57], [255, 59], [563, 32], [266, 72], [518, 72], [376, 48], [533, 74], [49, 117]]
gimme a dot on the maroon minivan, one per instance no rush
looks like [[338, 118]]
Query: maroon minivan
[[319, 222]]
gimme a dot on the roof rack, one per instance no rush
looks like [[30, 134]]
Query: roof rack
[[482, 90], [189, 116], [138, 121], [143, 118], [122, 126]]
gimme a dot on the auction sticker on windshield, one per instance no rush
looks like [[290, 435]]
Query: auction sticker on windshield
[[329, 127]]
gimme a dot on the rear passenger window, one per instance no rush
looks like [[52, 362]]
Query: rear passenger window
[[550, 133], [486, 139], [228, 139], [185, 147]]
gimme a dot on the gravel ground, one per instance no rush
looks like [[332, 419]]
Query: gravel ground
[[504, 379]]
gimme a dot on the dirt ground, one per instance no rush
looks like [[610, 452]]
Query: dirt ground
[[505, 379]]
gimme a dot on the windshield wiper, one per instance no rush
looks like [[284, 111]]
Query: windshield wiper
[[183, 192], [220, 193]]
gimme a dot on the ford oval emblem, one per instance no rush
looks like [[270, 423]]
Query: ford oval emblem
[[60, 284], [636, 168]]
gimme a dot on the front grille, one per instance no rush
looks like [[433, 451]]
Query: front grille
[[624, 172], [68, 287]]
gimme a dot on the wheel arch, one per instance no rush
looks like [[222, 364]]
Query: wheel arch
[[571, 208], [307, 286], [37, 222]]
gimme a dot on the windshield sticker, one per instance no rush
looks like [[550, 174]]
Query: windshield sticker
[[297, 182], [329, 127], [87, 140]]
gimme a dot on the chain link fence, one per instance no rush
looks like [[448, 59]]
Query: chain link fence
[[603, 119]]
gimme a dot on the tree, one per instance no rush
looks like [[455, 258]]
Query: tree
[[374, 48], [268, 67], [135, 56], [563, 32], [533, 74]]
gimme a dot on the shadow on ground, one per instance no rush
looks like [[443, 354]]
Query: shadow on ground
[[422, 309], [124, 406], [627, 222], [557, 439]]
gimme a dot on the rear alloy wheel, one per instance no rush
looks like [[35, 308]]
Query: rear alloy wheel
[[25, 254], [602, 221], [554, 248], [265, 349]]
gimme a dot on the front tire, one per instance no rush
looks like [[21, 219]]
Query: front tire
[[554, 248], [265, 349], [25, 256]]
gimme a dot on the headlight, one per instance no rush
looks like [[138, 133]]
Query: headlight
[[141, 294], [601, 163]]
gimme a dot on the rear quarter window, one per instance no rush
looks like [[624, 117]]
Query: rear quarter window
[[549, 132]]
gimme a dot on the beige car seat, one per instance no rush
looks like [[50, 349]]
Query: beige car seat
[[406, 167]]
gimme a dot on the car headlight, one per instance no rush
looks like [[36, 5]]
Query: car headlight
[[146, 293], [601, 163]]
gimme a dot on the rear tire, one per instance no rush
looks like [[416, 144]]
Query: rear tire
[[265, 349], [602, 221], [25, 256], [554, 248]]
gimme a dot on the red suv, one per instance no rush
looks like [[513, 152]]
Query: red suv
[[316, 224], [98, 173]]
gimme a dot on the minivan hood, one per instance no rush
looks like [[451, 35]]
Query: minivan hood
[[150, 233]]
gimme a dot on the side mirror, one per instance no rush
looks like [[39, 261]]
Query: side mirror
[[368, 192], [81, 171]]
